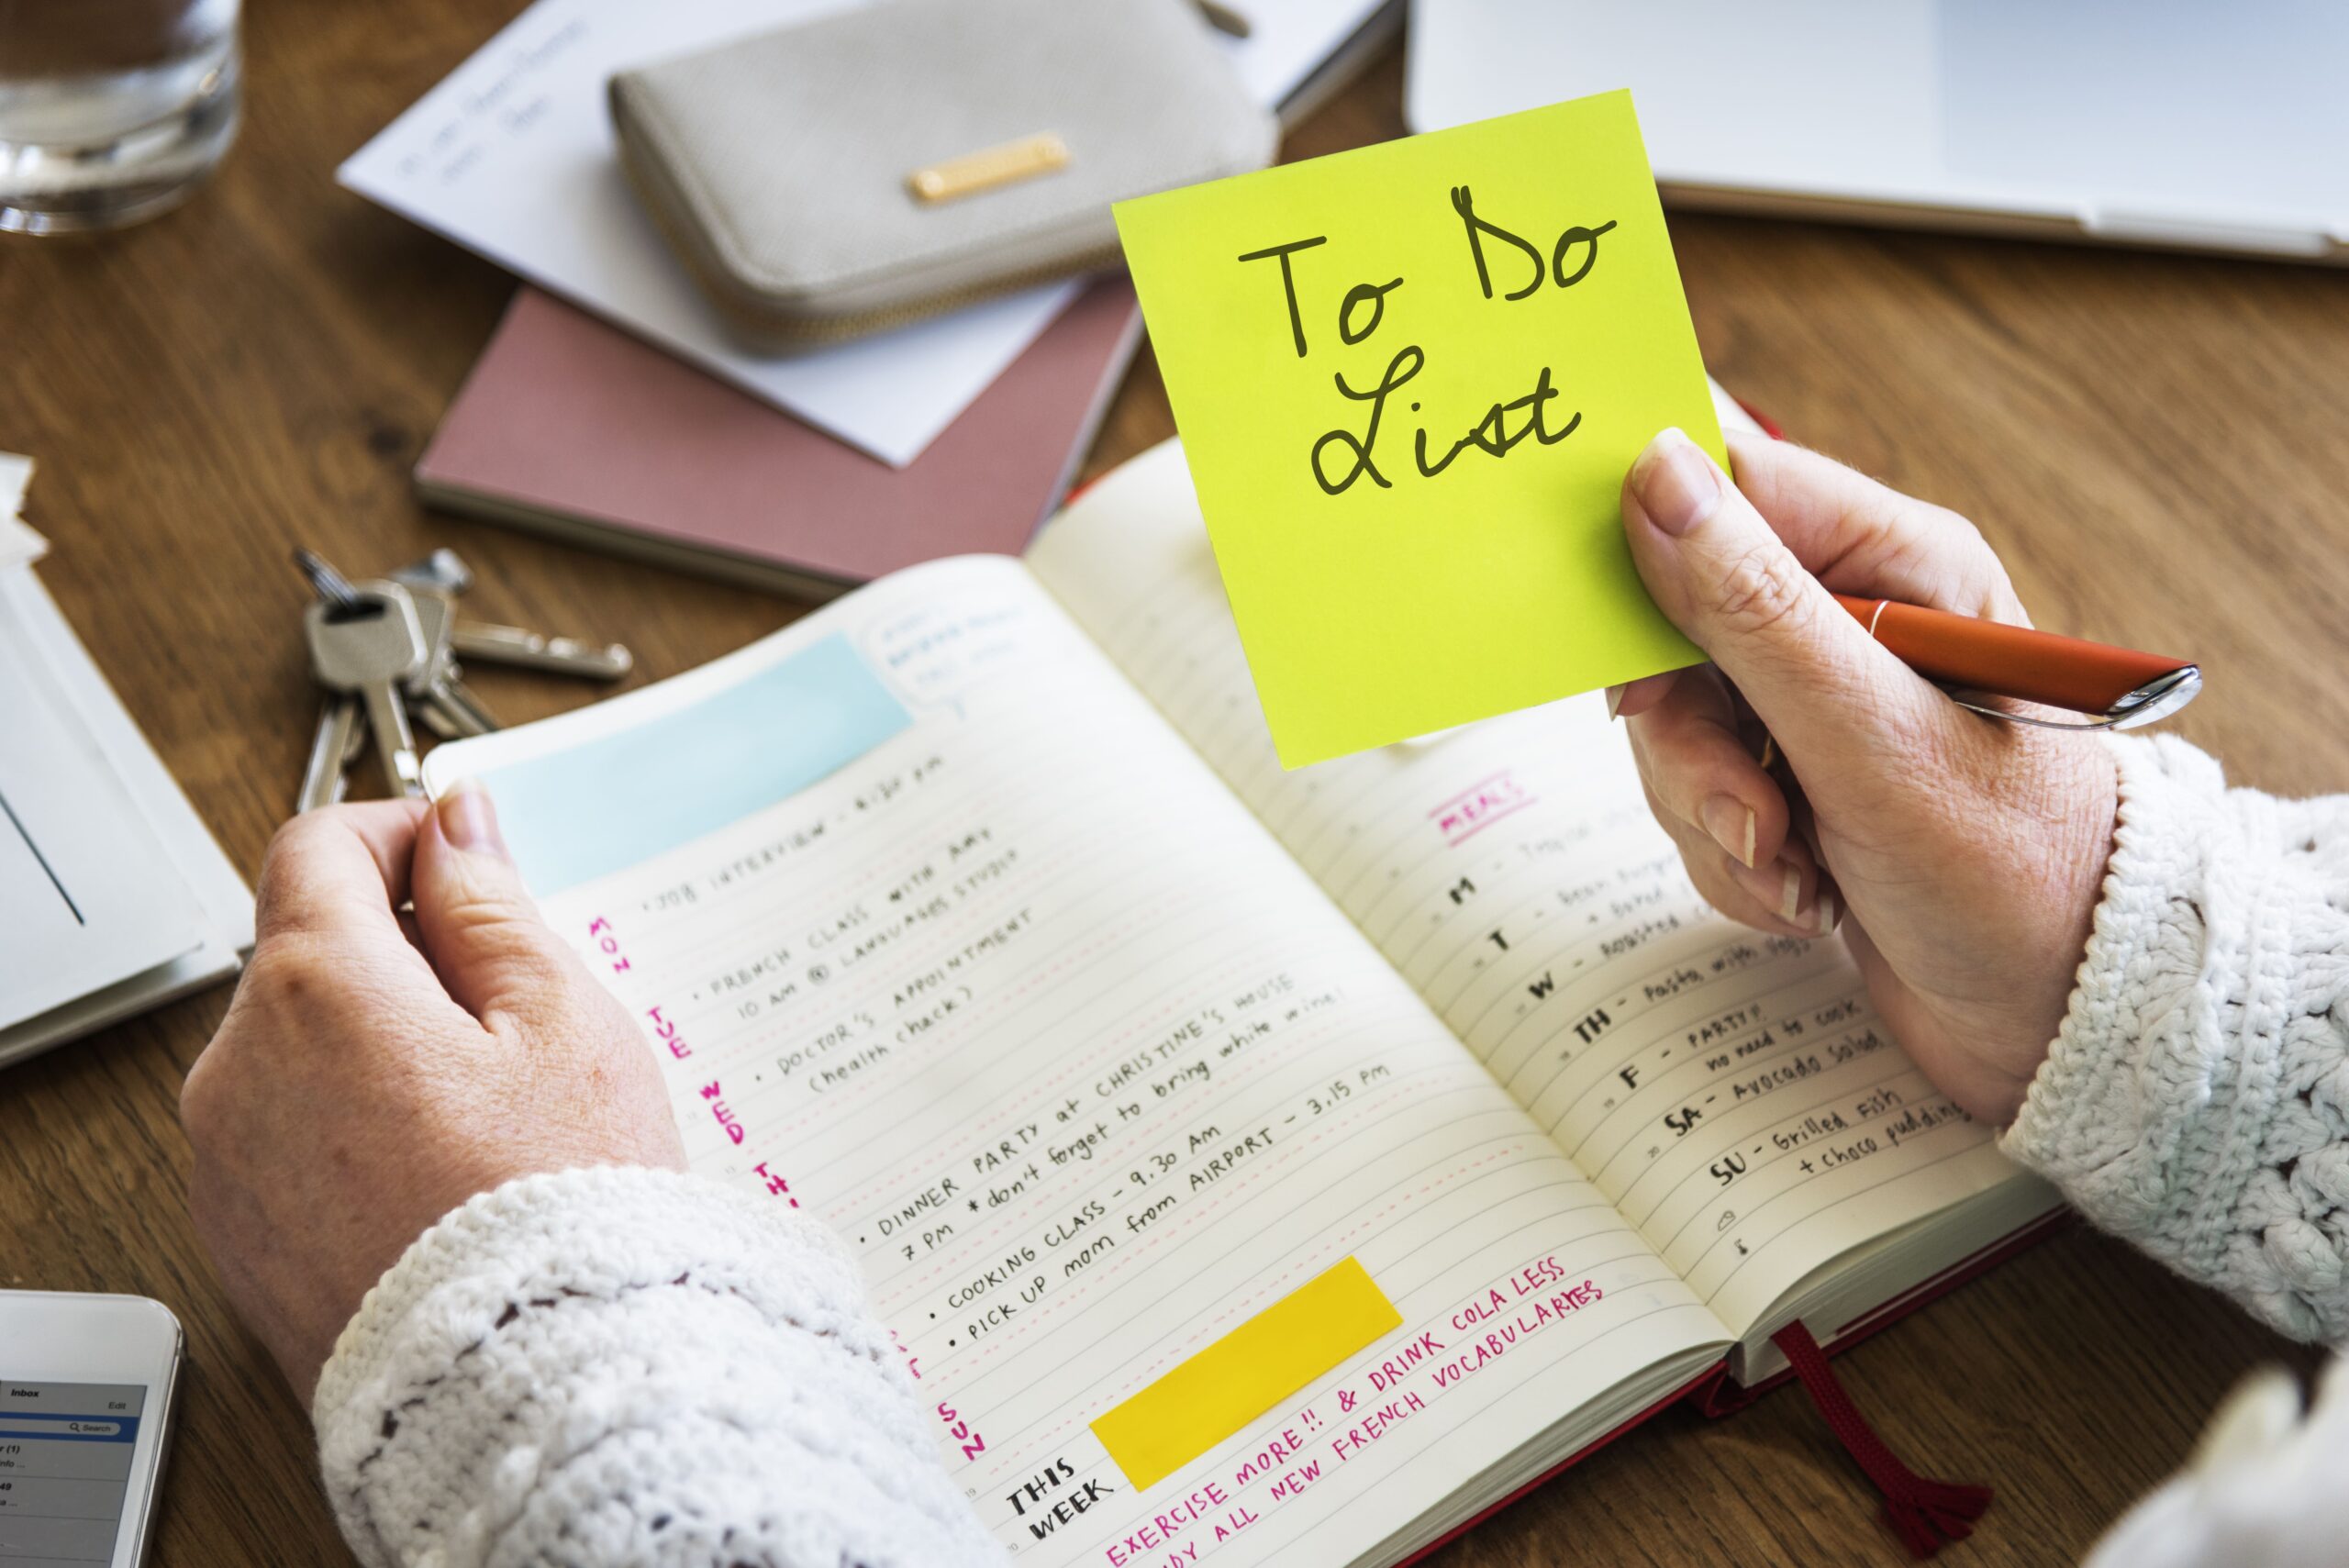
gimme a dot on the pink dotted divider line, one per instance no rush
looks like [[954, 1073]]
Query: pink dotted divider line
[[1339, 1249], [1224, 1198], [1304, 1037]]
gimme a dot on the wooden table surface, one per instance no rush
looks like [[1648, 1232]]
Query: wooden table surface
[[2153, 442]]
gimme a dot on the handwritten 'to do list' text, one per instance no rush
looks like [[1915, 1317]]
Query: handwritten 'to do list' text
[[1409, 380], [1499, 429]]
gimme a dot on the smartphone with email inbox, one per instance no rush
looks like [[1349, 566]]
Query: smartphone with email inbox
[[86, 1391]]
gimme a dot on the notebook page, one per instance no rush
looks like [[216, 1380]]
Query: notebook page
[[941, 934], [1732, 1093]]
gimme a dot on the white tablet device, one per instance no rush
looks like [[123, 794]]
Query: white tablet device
[[2142, 121], [86, 1384]]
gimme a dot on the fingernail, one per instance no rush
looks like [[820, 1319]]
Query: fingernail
[[1828, 914], [1790, 893], [1676, 485], [1769, 750], [468, 820], [1614, 702], [1731, 823]]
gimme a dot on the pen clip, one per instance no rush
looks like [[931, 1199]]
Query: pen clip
[[2149, 704]]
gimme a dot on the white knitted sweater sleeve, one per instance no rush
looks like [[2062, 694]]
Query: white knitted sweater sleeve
[[627, 1367], [2196, 1101]]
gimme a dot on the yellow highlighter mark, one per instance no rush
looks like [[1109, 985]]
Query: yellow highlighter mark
[[1238, 1378]]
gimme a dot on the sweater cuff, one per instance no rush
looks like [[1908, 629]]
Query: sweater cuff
[[606, 1230], [621, 1366], [2195, 1102], [2098, 1096]]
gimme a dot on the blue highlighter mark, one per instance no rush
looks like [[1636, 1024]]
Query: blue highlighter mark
[[611, 803]]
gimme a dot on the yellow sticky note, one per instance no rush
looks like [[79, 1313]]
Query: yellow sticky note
[[1409, 380], [1238, 1377]]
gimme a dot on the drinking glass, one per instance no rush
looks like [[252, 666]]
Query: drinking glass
[[111, 110]]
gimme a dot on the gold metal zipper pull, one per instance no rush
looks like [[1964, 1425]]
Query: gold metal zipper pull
[[984, 171]]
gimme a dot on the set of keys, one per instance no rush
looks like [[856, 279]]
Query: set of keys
[[387, 649]]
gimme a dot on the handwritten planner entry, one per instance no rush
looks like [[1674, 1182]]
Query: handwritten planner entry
[[1733, 1093], [1081, 1105]]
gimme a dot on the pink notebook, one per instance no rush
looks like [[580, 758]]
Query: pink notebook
[[570, 427]]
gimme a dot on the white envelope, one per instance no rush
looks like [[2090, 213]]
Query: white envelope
[[512, 156]]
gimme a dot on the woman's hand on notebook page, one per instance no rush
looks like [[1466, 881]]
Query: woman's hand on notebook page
[[378, 1068], [1962, 856]]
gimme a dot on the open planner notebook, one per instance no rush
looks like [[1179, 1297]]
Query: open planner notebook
[[1256, 1167]]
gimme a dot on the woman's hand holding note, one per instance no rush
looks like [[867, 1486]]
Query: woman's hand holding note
[[1408, 380], [1968, 853]]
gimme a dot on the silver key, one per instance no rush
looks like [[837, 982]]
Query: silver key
[[444, 704], [339, 735], [528, 649], [458, 709], [325, 581], [445, 572], [369, 650], [443, 569], [449, 715]]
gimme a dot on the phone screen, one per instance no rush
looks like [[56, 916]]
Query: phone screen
[[65, 1452]]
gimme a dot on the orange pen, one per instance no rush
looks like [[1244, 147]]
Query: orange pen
[[2117, 688]]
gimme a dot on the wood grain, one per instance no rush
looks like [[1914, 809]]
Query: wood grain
[[2151, 440]]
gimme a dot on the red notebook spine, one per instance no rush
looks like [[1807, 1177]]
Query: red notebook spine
[[1689, 1390], [1926, 1515], [1769, 426]]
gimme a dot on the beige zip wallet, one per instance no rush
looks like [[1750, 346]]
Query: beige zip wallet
[[868, 168]]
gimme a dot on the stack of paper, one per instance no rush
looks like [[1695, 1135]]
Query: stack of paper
[[113, 896], [512, 156]]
